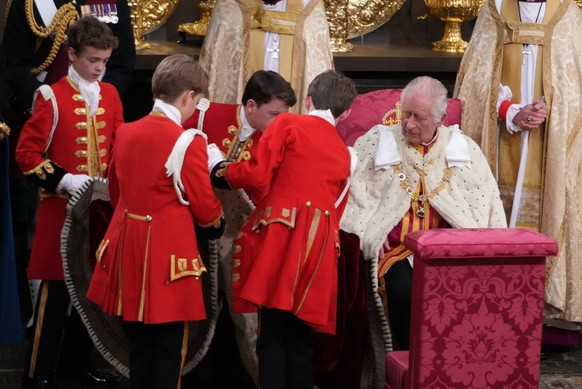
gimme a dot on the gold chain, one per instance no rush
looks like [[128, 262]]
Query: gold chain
[[65, 16], [405, 184]]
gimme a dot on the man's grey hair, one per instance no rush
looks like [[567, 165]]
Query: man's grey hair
[[431, 88]]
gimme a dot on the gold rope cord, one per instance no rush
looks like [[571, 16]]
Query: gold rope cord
[[65, 16]]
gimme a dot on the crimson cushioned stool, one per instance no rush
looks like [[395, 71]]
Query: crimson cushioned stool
[[477, 301]]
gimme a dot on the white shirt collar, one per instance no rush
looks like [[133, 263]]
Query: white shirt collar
[[324, 114], [169, 110], [246, 131]]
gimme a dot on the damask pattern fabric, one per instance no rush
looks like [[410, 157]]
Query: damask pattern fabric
[[480, 322]]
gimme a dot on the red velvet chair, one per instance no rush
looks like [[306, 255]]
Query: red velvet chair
[[382, 107], [477, 306]]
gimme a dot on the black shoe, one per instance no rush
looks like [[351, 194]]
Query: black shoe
[[39, 382], [95, 378]]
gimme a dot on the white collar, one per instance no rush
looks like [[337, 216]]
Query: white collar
[[246, 131], [324, 114], [169, 110], [456, 151], [89, 90]]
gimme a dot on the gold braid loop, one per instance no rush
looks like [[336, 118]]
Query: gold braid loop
[[65, 16]]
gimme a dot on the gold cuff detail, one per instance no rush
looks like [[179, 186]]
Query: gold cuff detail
[[4, 129]]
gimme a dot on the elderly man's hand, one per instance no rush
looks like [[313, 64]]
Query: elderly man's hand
[[531, 116]]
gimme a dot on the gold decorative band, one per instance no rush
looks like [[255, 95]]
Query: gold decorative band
[[146, 218]]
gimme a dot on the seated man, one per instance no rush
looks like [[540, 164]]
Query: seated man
[[416, 175]]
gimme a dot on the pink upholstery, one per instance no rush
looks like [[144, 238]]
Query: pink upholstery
[[476, 308], [396, 370], [382, 107]]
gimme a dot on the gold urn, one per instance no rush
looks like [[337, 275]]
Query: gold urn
[[453, 13]]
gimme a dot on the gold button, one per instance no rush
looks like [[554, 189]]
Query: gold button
[[308, 204], [326, 213]]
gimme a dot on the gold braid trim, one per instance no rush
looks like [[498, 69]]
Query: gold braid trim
[[65, 16], [4, 129]]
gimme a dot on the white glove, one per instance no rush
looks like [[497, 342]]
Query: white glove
[[214, 156], [71, 183]]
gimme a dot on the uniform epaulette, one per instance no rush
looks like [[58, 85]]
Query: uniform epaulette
[[48, 94], [202, 106]]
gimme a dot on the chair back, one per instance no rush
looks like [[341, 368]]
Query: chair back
[[383, 107]]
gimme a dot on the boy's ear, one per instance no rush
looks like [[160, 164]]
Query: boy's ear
[[71, 54], [308, 104], [344, 115]]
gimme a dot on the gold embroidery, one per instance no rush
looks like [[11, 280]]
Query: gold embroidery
[[145, 271], [237, 248], [41, 170], [4, 129], [78, 97], [269, 216], [100, 125], [81, 153], [285, 212], [312, 231], [82, 168], [101, 249], [101, 138], [100, 111], [235, 277], [236, 262], [82, 140], [182, 267], [232, 130], [393, 116], [80, 111]]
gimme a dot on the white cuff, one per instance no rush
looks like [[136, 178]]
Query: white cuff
[[214, 156]]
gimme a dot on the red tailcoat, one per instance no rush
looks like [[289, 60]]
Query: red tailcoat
[[287, 255], [80, 144], [148, 264], [222, 125]]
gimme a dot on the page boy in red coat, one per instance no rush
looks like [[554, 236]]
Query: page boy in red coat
[[236, 130], [285, 262], [67, 139], [149, 268]]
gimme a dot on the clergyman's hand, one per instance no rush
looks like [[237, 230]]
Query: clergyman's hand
[[531, 116]]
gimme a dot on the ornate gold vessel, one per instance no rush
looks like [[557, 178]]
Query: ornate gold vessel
[[352, 18], [338, 19], [453, 13], [200, 26], [367, 15], [148, 15]]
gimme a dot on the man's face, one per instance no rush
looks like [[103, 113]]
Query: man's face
[[418, 123], [259, 117], [89, 63]]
